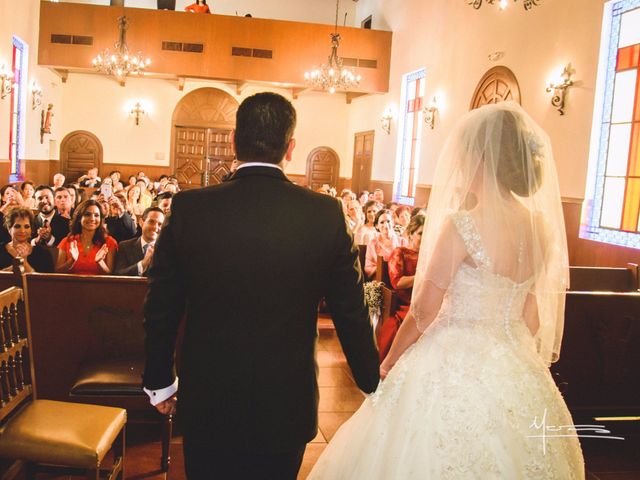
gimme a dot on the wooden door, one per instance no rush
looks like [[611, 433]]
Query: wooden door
[[323, 167], [190, 148], [79, 151], [362, 160], [203, 156], [219, 154]]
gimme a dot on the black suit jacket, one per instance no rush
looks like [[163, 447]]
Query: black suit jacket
[[121, 228], [59, 227], [127, 258], [250, 259]]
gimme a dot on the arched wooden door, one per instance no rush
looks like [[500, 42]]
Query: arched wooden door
[[79, 151], [201, 151], [323, 166], [498, 84]]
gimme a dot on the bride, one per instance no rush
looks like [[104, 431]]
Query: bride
[[468, 393]]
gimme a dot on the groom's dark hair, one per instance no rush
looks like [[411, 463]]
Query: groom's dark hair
[[264, 126]]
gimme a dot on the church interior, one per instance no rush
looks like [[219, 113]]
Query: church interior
[[70, 103]]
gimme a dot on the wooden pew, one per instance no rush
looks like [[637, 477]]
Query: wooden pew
[[598, 370], [382, 272], [604, 279]]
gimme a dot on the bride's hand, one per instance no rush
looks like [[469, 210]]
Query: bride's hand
[[384, 370]]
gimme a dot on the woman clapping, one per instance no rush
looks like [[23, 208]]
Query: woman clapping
[[87, 250]]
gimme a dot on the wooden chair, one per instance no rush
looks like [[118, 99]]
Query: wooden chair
[[44, 433], [103, 320]]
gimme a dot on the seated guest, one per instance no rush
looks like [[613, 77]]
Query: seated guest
[[366, 231], [385, 242], [133, 198], [200, 6], [50, 227], [134, 256], [58, 181], [62, 202], [347, 195], [131, 181], [75, 195], [10, 198], [87, 250], [19, 221], [403, 263], [401, 217], [27, 189], [164, 202], [120, 224], [91, 179], [355, 215], [378, 195], [115, 180], [363, 198], [145, 196]]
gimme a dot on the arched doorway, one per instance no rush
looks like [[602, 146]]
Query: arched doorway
[[201, 151], [323, 166], [79, 151], [498, 84]]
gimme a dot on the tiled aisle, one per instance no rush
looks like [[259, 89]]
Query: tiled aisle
[[339, 398]]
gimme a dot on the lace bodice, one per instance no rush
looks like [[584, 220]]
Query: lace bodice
[[478, 295]]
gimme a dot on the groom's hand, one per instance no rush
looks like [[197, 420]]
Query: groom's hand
[[168, 406]]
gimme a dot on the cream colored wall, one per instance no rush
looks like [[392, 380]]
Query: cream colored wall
[[452, 42], [21, 19], [312, 11], [100, 105]]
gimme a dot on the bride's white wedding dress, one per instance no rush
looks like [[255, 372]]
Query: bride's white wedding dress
[[471, 399]]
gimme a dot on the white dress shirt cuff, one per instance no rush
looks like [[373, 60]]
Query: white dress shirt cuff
[[140, 269], [157, 396], [51, 241]]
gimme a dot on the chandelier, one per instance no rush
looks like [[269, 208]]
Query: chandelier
[[528, 4], [120, 63], [332, 76]]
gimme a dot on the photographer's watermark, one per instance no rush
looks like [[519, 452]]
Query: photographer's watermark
[[568, 431]]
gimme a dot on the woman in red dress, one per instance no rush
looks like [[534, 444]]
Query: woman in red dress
[[200, 6], [403, 263], [87, 250]]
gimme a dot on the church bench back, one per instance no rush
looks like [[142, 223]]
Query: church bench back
[[604, 279], [75, 318], [598, 367]]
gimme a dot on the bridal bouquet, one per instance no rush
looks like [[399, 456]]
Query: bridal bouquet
[[373, 299]]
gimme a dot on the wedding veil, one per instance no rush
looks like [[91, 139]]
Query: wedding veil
[[497, 165]]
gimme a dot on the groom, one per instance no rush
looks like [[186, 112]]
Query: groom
[[249, 260]]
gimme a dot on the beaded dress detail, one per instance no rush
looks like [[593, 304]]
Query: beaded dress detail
[[467, 400]]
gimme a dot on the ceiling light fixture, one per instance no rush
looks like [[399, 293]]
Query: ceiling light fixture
[[332, 76], [120, 63]]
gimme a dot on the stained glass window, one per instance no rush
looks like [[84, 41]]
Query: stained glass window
[[18, 96], [409, 141], [612, 203]]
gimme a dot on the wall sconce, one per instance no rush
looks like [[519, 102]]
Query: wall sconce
[[36, 96], [430, 113], [137, 110], [386, 118], [6, 82], [559, 88]]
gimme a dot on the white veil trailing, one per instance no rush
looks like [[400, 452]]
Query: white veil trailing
[[497, 165]]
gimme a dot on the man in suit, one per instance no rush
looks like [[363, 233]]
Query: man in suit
[[134, 255], [51, 227], [249, 261]]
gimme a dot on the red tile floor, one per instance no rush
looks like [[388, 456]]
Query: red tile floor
[[339, 398]]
